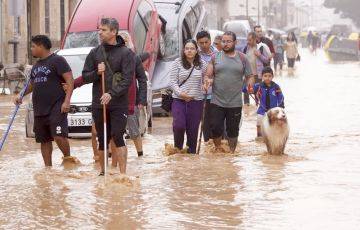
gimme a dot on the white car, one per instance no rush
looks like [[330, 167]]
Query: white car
[[79, 117]]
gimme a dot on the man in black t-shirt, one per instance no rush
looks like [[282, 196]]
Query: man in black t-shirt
[[51, 104]]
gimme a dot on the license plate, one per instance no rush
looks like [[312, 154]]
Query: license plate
[[80, 122]]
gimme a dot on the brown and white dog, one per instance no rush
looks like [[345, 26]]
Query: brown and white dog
[[275, 130]]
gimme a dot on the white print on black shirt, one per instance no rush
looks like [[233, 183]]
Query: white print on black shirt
[[40, 74], [58, 130]]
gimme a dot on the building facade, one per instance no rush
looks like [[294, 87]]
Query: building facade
[[31, 17]]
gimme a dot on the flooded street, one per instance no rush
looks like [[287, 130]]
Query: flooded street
[[316, 185]]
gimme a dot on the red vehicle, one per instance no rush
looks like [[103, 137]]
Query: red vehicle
[[139, 18]]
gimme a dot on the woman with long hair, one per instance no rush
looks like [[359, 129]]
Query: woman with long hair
[[186, 78], [291, 52]]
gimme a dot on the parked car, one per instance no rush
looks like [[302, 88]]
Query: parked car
[[79, 117], [183, 20], [138, 18]]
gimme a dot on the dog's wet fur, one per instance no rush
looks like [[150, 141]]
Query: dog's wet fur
[[275, 130]]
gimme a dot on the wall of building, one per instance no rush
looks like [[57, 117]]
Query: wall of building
[[36, 23]]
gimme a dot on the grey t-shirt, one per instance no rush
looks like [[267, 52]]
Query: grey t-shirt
[[229, 75]]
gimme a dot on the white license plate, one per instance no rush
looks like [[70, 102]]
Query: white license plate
[[80, 122]]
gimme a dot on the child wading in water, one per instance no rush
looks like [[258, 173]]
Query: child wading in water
[[268, 94]]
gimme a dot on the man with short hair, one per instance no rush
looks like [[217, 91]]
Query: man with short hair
[[261, 38], [258, 58], [226, 73], [51, 104], [217, 42], [117, 62], [206, 51]]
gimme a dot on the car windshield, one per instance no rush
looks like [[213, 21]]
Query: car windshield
[[76, 63], [82, 39], [168, 11]]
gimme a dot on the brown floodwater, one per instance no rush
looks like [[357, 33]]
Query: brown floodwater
[[316, 185]]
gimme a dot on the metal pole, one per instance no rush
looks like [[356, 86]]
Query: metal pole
[[105, 131]]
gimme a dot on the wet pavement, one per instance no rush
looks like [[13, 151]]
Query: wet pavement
[[316, 185]]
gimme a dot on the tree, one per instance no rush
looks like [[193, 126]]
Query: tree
[[346, 8]]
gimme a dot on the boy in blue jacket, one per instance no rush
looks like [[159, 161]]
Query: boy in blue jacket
[[268, 94]]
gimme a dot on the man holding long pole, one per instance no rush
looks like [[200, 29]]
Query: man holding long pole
[[116, 63], [51, 104]]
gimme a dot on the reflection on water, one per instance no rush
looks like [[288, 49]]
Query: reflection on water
[[314, 186]]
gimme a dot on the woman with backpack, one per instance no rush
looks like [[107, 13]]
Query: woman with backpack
[[186, 78]]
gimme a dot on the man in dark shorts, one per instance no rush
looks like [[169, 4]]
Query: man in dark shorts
[[114, 59], [51, 104], [261, 38], [225, 73]]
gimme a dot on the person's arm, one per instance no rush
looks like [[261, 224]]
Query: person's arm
[[280, 98], [68, 77], [209, 74], [250, 79], [90, 70], [18, 100], [142, 81], [174, 78], [127, 65], [271, 47]]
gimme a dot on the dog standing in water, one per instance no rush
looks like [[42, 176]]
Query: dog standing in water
[[275, 130]]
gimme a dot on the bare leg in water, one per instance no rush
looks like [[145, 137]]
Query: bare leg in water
[[138, 145], [114, 156], [63, 144], [46, 151], [94, 143], [121, 153], [122, 158]]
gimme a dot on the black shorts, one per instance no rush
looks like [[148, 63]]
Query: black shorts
[[51, 125], [219, 115], [116, 119]]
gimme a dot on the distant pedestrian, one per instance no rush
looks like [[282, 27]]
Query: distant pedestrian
[[186, 77], [217, 42], [257, 57], [279, 52], [226, 73], [291, 53], [261, 38]]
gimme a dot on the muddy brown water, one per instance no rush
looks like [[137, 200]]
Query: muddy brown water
[[316, 185]]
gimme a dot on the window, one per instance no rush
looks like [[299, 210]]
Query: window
[[191, 21], [17, 25], [47, 16], [62, 18], [145, 11], [139, 33]]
